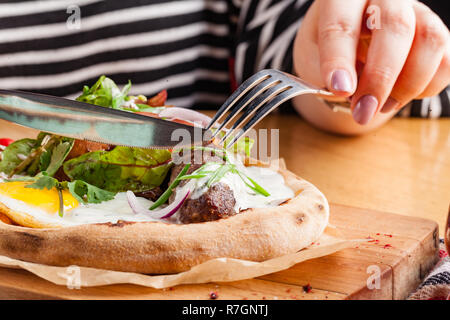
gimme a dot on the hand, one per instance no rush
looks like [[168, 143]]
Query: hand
[[382, 53]]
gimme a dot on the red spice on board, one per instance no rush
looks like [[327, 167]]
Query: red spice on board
[[307, 288], [213, 295], [387, 246]]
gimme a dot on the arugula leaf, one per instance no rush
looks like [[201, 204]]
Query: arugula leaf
[[105, 93], [87, 193], [121, 169], [82, 191], [38, 157], [44, 182], [44, 160], [58, 155], [99, 94], [15, 153], [119, 99]]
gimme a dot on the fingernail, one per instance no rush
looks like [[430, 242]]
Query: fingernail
[[390, 105], [365, 109], [341, 81]]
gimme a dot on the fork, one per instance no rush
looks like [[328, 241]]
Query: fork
[[256, 98]]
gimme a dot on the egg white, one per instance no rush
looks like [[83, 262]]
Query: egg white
[[109, 211], [118, 209]]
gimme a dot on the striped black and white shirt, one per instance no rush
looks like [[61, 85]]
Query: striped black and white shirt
[[196, 49]]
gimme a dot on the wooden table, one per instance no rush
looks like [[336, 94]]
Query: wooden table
[[402, 168]]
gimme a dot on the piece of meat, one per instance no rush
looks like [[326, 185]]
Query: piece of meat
[[216, 203]]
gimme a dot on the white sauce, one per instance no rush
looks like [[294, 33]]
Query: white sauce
[[271, 181]]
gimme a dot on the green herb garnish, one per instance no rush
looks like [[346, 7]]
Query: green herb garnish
[[166, 195], [82, 191], [217, 175], [221, 171], [255, 186]]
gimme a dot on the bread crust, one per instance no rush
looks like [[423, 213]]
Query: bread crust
[[160, 248]]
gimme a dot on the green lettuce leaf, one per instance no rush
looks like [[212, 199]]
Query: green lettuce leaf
[[121, 169], [105, 93]]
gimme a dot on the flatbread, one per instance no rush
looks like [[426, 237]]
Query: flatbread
[[160, 248]]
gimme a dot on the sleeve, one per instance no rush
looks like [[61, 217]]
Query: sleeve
[[431, 107], [264, 34]]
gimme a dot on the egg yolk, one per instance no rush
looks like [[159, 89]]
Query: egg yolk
[[47, 200]]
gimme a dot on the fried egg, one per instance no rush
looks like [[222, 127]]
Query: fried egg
[[37, 208]]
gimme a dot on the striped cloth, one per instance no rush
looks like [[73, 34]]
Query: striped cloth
[[197, 49], [437, 285]]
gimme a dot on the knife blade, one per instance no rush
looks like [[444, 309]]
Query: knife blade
[[81, 120]]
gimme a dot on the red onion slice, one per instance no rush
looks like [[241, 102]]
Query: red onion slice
[[185, 114], [163, 213]]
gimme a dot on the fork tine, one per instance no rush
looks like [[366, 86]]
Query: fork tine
[[255, 104], [265, 110], [242, 103], [246, 86]]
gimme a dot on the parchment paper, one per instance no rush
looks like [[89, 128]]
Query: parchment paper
[[215, 270]]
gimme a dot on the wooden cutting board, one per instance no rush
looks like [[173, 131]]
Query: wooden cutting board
[[402, 252]]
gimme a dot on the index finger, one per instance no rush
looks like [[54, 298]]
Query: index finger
[[338, 34]]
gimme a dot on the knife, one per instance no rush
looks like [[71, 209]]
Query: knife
[[85, 121]]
